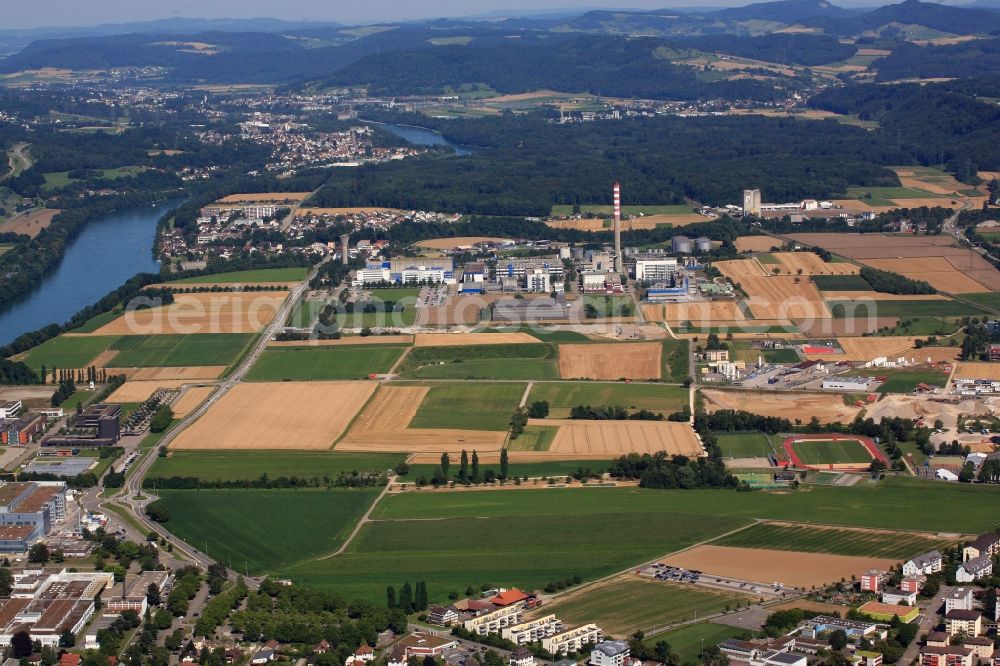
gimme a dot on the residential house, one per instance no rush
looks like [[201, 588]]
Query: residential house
[[974, 569], [262, 656], [925, 564], [397, 658], [522, 657], [951, 655], [867, 658], [572, 640], [897, 596], [913, 584], [873, 580], [609, 653], [533, 630], [492, 621], [968, 622], [938, 639], [444, 615], [960, 598], [985, 545], [425, 644], [981, 646]]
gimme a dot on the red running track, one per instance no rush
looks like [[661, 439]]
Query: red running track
[[873, 450]]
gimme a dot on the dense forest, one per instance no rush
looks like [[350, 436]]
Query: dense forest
[[529, 164], [975, 58]]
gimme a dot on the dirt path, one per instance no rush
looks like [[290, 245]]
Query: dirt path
[[524, 398], [399, 361], [364, 520]]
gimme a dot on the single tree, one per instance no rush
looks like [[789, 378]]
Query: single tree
[[445, 463], [503, 464]]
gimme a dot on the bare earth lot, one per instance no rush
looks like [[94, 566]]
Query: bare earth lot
[[287, 415], [826, 407], [737, 269], [792, 569], [610, 361], [610, 439], [783, 297], [31, 224], [809, 263], [756, 243], [240, 312], [938, 271], [966, 370], [699, 313]]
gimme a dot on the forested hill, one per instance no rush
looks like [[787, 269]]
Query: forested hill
[[978, 57]]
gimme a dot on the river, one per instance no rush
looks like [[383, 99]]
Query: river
[[421, 136], [107, 252]]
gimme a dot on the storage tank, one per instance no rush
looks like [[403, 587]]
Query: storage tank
[[702, 244], [681, 244]]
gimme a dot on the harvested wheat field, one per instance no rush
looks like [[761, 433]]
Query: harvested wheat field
[[825, 328], [348, 340], [189, 373], [937, 271], [426, 444], [783, 297], [857, 246], [638, 360], [937, 354], [392, 408], [258, 197], [757, 243], [239, 312], [287, 415], [190, 399], [140, 391], [610, 439], [30, 224], [810, 264], [466, 339], [699, 313], [827, 407], [973, 370], [868, 348], [459, 241], [737, 269], [790, 568]]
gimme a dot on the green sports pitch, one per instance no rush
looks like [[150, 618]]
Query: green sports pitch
[[831, 451]]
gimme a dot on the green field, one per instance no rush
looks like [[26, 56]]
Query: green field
[[744, 445], [948, 308], [534, 438], [323, 363], [509, 361], [68, 352], [149, 351], [766, 258], [676, 363], [674, 209], [830, 451], [906, 380], [562, 396], [541, 333], [294, 274], [924, 326], [532, 470], [687, 641], [884, 196], [840, 283], [808, 539], [629, 603], [305, 313], [989, 300], [395, 293], [743, 351], [264, 530], [249, 465], [97, 321], [469, 406]]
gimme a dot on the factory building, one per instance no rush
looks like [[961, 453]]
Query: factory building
[[28, 511], [751, 202], [103, 420], [650, 270]]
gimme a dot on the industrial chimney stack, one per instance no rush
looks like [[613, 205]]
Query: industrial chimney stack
[[617, 191], [344, 247]]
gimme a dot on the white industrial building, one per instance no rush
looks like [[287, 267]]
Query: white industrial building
[[848, 383], [655, 269]]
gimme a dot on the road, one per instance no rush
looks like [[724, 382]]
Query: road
[[133, 498], [18, 159], [928, 620]]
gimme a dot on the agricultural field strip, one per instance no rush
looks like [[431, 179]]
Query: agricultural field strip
[[810, 538]]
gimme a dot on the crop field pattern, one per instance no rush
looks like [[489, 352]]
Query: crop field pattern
[[323, 363], [250, 465], [610, 361], [813, 539], [482, 361], [563, 396], [146, 351]]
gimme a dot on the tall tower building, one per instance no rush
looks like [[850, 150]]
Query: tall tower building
[[617, 195], [344, 254], [751, 202]]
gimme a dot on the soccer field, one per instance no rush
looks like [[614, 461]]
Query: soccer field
[[828, 451]]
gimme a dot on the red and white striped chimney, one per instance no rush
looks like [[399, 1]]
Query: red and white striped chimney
[[617, 190]]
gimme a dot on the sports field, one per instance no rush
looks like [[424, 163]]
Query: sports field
[[744, 445], [627, 603], [250, 465], [261, 275], [469, 406], [830, 451], [67, 352], [563, 396], [322, 363], [251, 528], [836, 541], [484, 361], [144, 351]]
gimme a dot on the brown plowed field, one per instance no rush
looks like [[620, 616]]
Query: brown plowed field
[[191, 373], [190, 400], [238, 312], [458, 241], [792, 569], [811, 264], [103, 359], [781, 297], [937, 271], [966, 370], [31, 224], [286, 415], [827, 407], [140, 391], [868, 348], [639, 360], [756, 243], [464, 340], [348, 340], [610, 439], [737, 269], [699, 313]]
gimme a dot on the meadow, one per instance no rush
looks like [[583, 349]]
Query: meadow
[[675, 360], [989, 299], [534, 438], [469, 406], [687, 641], [936, 308], [294, 274], [840, 283], [67, 352], [743, 351], [823, 451], [251, 529], [744, 445], [541, 333], [562, 396], [250, 465], [626, 604], [905, 380], [323, 363], [808, 539], [305, 313], [886, 196], [147, 351], [97, 321], [511, 361]]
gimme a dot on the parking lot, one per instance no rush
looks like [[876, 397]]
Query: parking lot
[[667, 573]]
